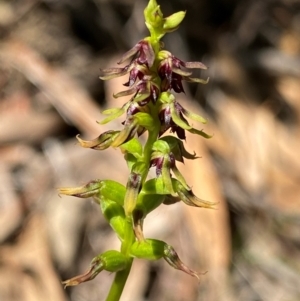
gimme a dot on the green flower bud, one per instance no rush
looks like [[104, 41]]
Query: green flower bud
[[154, 18], [153, 249], [172, 22], [112, 261], [107, 189], [150, 249], [90, 189]]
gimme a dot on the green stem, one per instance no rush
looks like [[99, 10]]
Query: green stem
[[119, 283], [129, 237], [121, 276], [149, 144]]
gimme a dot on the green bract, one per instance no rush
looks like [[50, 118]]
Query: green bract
[[154, 76]]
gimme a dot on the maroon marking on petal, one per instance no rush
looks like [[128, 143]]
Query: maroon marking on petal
[[172, 160], [176, 83]]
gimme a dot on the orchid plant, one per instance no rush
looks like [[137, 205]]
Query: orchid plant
[[154, 75]]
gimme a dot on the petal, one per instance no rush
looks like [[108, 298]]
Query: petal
[[90, 189], [134, 50], [127, 133], [144, 120], [138, 221], [179, 132], [166, 176], [180, 177], [193, 65], [96, 267], [114, 113], [126, 92], [178, 149], [100, 143], [133, 147], [196, 80], [200, 133], [149, 53], [173, 260], [113, 73], [188, 197], [132, 192], [176, 83], [155, 186], [172, 22], [181, 72], [193, 116], [178, 120]]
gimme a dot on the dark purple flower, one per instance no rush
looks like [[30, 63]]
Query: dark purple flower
[[163, 161], [144, 90], [165, 117], [142, 51], [135, 70], [172, 116], [171, 73]]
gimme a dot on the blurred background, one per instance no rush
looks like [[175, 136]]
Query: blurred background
[[51, 52]]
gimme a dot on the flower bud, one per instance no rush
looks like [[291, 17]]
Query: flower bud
[[99, 189], [153, 249], [150, 249], [112, 261], [104, 141], [90, 189], [172, 22], [154, 17]]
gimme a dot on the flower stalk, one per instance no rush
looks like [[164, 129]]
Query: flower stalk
[[154, 76]]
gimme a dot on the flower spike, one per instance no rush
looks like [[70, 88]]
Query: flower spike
[[154, 75]]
